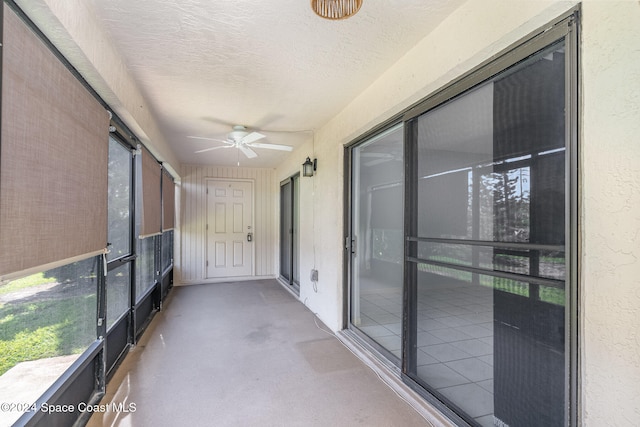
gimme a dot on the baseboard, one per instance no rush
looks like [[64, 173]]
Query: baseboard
[[222, 280], [390, 375]]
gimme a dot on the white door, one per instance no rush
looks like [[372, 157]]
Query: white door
[[229, 228]]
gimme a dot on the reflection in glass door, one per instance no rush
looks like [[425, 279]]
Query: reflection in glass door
[[377, 235]]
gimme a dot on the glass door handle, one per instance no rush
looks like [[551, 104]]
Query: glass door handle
[[350, 244]]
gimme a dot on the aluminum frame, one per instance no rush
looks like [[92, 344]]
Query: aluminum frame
[[567, 28], [293, 180]]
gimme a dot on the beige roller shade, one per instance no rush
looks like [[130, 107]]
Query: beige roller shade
[[168, 202], [53, 159], [151, 205]]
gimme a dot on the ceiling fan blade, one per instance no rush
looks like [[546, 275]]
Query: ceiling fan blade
[[253, 136], [213, 148], [219, 122], [247, 151], [208, 139], [271, 146]]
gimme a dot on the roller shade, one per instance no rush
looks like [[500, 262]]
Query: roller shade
[[150, 197], [53, 159], [168, 202]]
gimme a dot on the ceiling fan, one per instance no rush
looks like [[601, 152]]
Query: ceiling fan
[[244, 141]]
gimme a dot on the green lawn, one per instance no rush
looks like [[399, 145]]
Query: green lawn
[[36, 328], [26, 282], [547, 293]]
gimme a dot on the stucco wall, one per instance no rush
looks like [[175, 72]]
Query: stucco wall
[[610, 161], [609, 171], [310, 254], [465, 39]]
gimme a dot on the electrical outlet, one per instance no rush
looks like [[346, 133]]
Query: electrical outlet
[[314, 275]]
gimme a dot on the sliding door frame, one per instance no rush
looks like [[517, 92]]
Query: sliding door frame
[[290, 280], [565, 27]]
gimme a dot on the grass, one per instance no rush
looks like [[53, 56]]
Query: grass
[[27, 282], [56, 326], [546, 293]]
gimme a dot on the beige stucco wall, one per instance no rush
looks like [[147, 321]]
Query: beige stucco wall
[[609, 172], [310, 254], [610, 161], [474, 33]]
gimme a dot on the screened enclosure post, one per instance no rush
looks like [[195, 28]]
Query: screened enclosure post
[[131, 328], [158, 277], [410, 291], [101, 324], [1, 67]]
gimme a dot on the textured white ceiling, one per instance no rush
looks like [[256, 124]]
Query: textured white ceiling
[[271, 65]]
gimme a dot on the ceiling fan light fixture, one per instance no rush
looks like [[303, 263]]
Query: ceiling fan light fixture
[[336, 9], [238, 133]]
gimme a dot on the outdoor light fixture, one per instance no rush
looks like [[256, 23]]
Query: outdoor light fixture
[[336, 9], [308, 167]]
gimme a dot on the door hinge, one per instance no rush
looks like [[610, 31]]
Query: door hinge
[[207, 263]]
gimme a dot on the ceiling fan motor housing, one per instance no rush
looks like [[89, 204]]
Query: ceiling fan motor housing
[[238, 133]]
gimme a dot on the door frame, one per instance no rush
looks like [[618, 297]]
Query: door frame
[[291, 282], [205, 240], [565, 27], [351, 238]]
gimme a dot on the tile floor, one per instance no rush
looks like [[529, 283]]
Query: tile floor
[[455, 338]]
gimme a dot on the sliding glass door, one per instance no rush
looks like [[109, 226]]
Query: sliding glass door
[[289, 232], [377, 235], [487, 255], [462, 250]]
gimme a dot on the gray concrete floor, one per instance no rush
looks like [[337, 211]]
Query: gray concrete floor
[[246, 354]]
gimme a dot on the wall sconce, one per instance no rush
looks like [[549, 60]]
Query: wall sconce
[[308, 167]]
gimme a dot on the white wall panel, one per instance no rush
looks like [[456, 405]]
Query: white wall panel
[[194, 211]]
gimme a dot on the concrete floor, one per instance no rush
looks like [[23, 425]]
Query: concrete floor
[[249, 354]]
